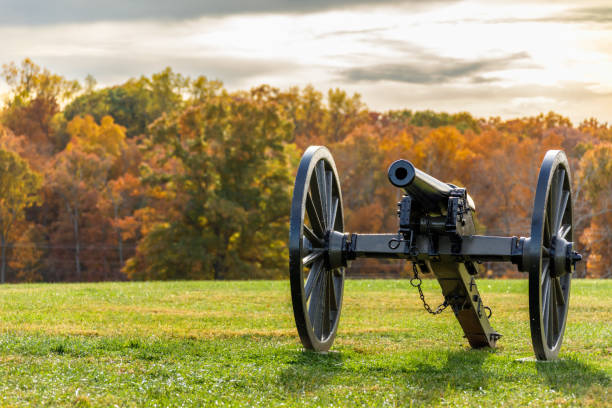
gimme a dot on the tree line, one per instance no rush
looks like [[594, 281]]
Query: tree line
[[173, 177]]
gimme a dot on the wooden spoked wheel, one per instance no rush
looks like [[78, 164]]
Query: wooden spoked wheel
[[549, 256], [316, 212]]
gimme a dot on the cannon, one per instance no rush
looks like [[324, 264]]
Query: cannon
[[436, 233]]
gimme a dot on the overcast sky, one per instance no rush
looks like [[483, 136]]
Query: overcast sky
[[491, 58]]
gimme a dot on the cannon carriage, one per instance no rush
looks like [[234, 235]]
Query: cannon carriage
[[436, 233]]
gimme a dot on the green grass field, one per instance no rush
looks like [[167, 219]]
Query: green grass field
[[234, 343]]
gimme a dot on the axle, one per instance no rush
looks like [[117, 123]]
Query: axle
[[475, 248]]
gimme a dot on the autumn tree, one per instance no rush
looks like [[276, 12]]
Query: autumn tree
[[73, 183], [139, 102], [343, 115], [305, 110], [26, 261], [168, 176], [105, 140], [19, 187], [596, 176], [461, 121], [119, 201], [79, 181], [223, 185], [202, 89], [33, 105], [357, 155]]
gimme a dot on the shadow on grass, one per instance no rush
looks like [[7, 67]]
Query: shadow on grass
[[411, 378], [571, 376], [308, 371], [425, 378], [462, 370]]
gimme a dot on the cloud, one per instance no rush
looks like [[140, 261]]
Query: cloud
[[576, 100], [352, 33], [431, 69], [114, 69], [586, 15], [39, 12], [598, 15]]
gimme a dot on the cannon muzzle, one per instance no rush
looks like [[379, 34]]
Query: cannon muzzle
[[431, 193]]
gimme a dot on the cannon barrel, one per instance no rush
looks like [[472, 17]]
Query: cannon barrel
[[431, 193]]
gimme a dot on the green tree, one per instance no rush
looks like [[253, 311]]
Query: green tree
[[219, 174], [139, 102]]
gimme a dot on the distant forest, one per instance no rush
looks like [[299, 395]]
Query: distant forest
[[173, 177]]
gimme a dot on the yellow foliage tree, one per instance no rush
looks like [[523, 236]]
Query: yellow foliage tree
[[106, 139], [19, 186]]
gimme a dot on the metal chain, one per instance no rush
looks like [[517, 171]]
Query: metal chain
[[416, 282]]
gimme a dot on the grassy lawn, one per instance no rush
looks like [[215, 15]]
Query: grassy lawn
[[234, 343]]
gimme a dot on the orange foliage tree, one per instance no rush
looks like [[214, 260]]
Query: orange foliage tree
[[596, 175]]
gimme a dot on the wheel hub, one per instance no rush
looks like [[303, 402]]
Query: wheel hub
[[335, 244], [562, 257]]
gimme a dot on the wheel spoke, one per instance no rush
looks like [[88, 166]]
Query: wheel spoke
[[322, 189], [557, 191], [551, 306], [314, 217], [546, 299], [547, 235], [555, 315], [312, 278], [563, 207], [314, 311], [310, 258], [545, 266], [559, 292], [332, 224], [328, 197], [564, 230], [312, 236], [333, 290], [326, 301], [552, 198]]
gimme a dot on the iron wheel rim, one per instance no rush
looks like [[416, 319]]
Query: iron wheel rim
[[316, 290]]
